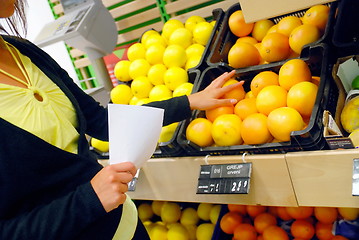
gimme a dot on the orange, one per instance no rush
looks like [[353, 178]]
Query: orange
[[261, 60], [338, 237], [293, 54], [270, 98], [237, 24], [255, 210], [261, 28], [247, 39], [243, 54], [226, 130], [300, 212], [323, 231], [302, 97], [275, 233], [245, 231], [255, 130], [238, 93], [318, 16], [282, 121], [230, 221], [302, 229], [283, 214], [264, 220], [303, 35], [274, 47], [326, 214], [287, 24], [263, 79], [241, 209], [292, 72], [245, 107], [199, 132], [213, 113]]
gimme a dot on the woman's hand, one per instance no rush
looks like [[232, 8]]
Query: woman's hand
[[111, 184], [210, 97]]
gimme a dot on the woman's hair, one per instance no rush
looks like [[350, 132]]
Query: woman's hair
[[17, 22]]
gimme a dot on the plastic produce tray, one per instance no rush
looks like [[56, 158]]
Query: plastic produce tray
[[226, 39], [346, 32], [310, 138]]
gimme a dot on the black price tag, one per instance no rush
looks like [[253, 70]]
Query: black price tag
[[224, 178]]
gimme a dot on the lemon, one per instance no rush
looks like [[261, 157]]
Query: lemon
[[167, 132], [156, 74], [202, 32], [175, 76], [203, 211], [177, 232], [156, 207], [193, 62], [214, 213], [141, 87], [160, 92], [170, 212], [355, 83], [213, 22], [145, 211], [159, 232], [149, 225], [205, 231], [195, 49], [189, 216], [170, 26], [136, 51], [354, 136], [349, 116], [121, 94], [121, 70], [148, 33], [183, 89], [133, 100], [138, 68], [191, 231], [182, 37], [192, 21], [154, 53], [155, 39], [102, 146], [143, 101], [174, 56]]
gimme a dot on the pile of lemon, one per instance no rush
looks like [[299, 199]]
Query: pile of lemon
[[166, 220]]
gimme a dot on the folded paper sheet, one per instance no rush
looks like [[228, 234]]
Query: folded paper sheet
[[133, 132]]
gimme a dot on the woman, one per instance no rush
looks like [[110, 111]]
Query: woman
[[51, 186]]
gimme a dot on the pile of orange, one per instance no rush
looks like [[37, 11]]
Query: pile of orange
[[276, 104], [252, 222], [265, 41]]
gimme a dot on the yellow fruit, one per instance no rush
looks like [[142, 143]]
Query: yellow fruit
[[204, 210], [174, 56], [349, 213], [148, 33], [194, 50], [156, 207], [182, 37], [102, 146], [354, 136], [270, 98], [287, 24], [145, 211], [159, 93], [274, 47], [177, 232], [302, 97], [302, 35], [243, 54], [143, 101], [191, 231], [238, 25], [183, 89], [170, 26], [167, 132], [139, 68], [192, 21], [121, 94], [170, 212], [238, 93], [133, 100], [293, 72], [202, 32], [121, 70], [154, 53], [136, 51], [349, 117], [261, 28], [199, 132], [193, 62], [205, 231], [226, 130], [189, 216], [214, 213], [159, 232], [174, 77], [317, 15], [156, 74], [155, 39], [141, 87]]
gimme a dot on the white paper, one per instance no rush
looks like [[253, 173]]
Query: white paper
[[133, 132]]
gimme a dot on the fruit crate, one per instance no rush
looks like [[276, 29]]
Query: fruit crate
[[172, 148], [226, 39], [311, 138], [346, 33]]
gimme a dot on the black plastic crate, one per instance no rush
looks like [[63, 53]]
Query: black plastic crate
[[346, 31], [311, 138], [226, 39]]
